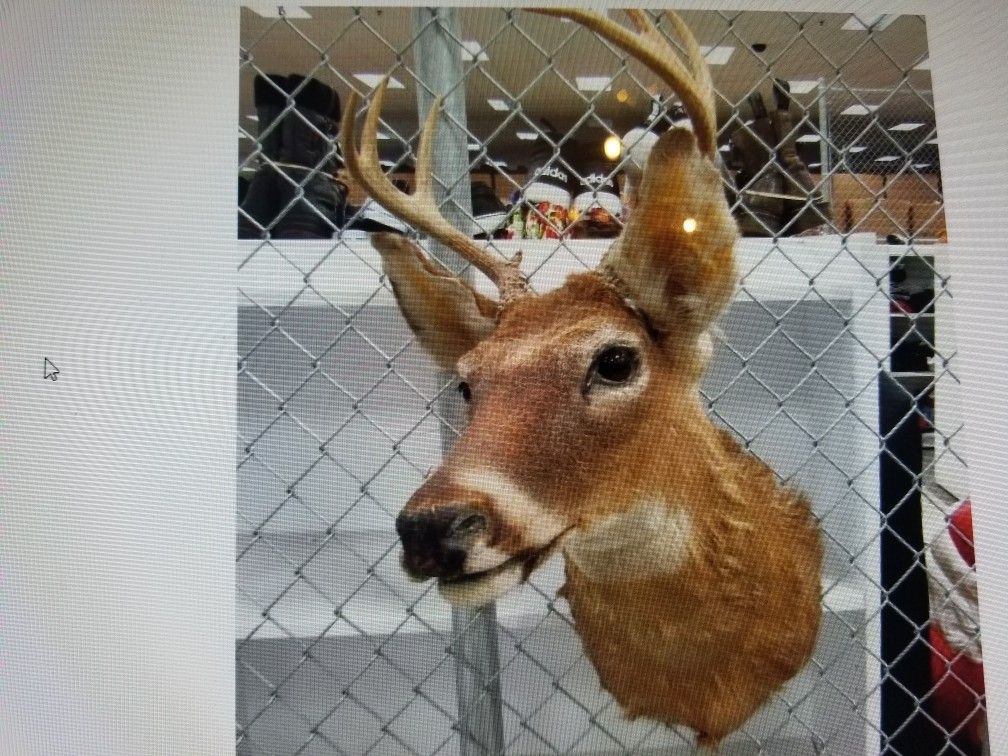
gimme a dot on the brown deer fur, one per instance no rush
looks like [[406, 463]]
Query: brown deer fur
[[692, 576]]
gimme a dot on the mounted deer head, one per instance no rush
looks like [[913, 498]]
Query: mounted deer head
[[692, 577]]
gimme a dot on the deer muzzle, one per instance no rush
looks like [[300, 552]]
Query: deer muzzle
[[436, 541]]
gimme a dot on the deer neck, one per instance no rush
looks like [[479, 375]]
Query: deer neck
[[699, 599]]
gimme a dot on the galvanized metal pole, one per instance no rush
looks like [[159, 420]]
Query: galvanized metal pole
[[824, 141], [439, 68]]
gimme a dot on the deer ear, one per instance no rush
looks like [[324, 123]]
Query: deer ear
[[447, 315], [675, 256]]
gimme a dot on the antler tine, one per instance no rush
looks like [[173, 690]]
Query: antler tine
[[648, 45], [419, 209]]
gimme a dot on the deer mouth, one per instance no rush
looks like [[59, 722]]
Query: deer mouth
[[478, 588], [475, 577]]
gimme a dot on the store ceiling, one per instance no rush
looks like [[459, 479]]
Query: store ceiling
[[334, 43]]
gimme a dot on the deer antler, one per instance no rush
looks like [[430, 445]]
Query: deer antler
[[419, 209], [648, 45], [675, 256]]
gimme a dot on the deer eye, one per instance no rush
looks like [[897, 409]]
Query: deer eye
[[463, 388], [614, 365]]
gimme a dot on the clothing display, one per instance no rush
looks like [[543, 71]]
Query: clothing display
[[778, 196], [293, 194]]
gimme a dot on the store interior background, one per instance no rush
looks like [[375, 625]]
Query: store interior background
[[883, 147]]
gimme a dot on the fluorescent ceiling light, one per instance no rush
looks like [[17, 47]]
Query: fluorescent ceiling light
[[717, 55], [886, 159], [374, 79], [859, 110], [808, 138], [593, 83], [473, 147], [802, 86], [725, 148], [527, 136], [922, 165], [387, 163], [853, 23], [498, 104], [908, 126], [252, 116], [272, 10], [856, 148], [813, 165], [498, 163], [472, 49], [382, 135]]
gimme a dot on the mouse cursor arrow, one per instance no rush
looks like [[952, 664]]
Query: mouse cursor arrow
[[49, 370]]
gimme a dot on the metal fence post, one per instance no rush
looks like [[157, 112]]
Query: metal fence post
[[824, 141], [439, 71]]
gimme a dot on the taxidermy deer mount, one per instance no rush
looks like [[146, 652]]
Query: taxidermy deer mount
[[692, 576]]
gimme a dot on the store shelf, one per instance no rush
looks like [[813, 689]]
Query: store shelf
[[347, 272]]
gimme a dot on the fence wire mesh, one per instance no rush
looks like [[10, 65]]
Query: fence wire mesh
[[837, 345]]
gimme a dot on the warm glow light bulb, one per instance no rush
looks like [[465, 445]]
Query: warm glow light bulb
[[689, 225], [612, 147]]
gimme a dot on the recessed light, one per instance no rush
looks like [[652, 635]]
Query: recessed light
[[527, 136], [859, 110], [593, 83], [717, 55], [497, 104], [802, 86], [808, 138], [374, 79], [908, 126], [725, 148], [856, 148], [472, 49], [886, 159], [853, 23]]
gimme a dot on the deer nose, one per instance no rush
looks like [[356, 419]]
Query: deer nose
[[436, 541]]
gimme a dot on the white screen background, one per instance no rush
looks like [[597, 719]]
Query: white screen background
[[117, 488]]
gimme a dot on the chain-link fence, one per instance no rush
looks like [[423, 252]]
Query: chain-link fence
[[834, 364]]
